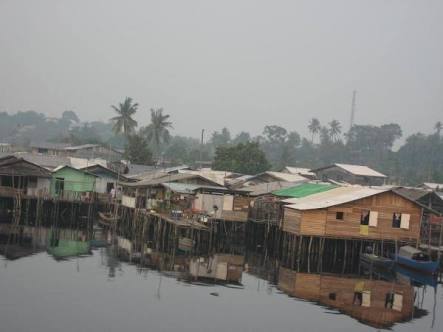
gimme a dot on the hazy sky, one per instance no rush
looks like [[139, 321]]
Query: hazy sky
[[240, 64]]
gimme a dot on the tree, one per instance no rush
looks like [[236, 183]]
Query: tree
[[438, 128], [70, 116], [157, 131], [137, 150], [123, 122], [242, 137], [222, 138], [314, 128], [334, 129], [242, 158], [325, 136], [275, 134]]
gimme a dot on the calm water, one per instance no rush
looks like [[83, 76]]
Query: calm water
[[101, 292]]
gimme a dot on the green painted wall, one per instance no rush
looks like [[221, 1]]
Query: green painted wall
[[73, 180]]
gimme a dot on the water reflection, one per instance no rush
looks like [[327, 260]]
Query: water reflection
[[373, 297]]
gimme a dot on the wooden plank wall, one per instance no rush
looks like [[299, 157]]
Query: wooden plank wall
[[315, 287], [313, 222], [376, 314], [241, 203], [291, 221], [386, 204]]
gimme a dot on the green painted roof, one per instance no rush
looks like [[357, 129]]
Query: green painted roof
[[304, 189]]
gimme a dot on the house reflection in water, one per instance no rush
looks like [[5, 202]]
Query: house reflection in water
[[377, 303], [220, 267]]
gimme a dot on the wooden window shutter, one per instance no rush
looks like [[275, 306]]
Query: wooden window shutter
[[404, 221], [366, 299], [373, 218], [398, 302]]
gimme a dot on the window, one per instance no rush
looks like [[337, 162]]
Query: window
[[404, 220], [59, 185], [7, 181], [32, 182], [332, 296], [339, 215], [373, 218], [109, 187], [396, 220], [362, 298], [394, 301], [364, 217]]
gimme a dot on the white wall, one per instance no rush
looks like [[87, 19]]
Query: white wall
[[128, 201], [102, 182], [42, 188]]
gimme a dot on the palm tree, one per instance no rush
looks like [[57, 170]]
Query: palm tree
[[124, 123], [314, 127], [438, 127], [334, 129], [157, 131]]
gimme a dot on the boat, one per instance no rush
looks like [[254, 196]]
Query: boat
[[106, 219], [377, 261], [415, 259], [415, 278]]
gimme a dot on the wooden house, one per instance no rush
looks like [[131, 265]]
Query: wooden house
[[352, 174], [354, 212], [267, 206], [20, 176], [377, 303], [93, 151], [53, 149], [142, 193], [69, 183], [106, 180], [432, 217], [222, 267]]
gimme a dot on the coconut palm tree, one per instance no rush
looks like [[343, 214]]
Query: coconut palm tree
[[334, 129], [314, 127], [438, 128], [157, 131], [123, 122]]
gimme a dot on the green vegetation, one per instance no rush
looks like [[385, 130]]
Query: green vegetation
[[419, 159], [137, 150], [242, 158], [157, 131], [123, 122]]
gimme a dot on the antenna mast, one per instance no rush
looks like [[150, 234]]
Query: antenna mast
[[354, 95]]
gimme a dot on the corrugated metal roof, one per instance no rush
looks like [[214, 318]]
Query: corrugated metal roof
[[43, 160], [411, 193], [185, 188], [214, 176], [73, 168], [286, 176], [267, 188], [11, 165], [360, 170], [299, 170], [79, 147], [433, 186], [83, 162], [334, 197], [355, 169], [160, 178], [304, 189]]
